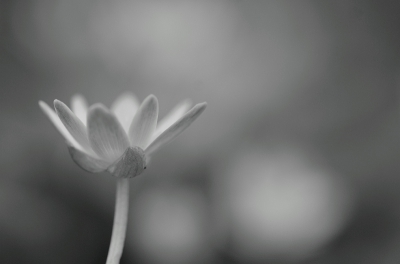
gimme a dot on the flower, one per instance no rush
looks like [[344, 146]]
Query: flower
[[121, 139]]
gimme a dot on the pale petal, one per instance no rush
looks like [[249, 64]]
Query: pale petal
[[130, 164], [106, 135], [176, 128], [79, 106], [72, 123], [49, 112], [144, 123], [88, 162], [125, 107], [177, 112]]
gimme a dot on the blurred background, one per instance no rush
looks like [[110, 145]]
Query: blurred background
[[295, 160]]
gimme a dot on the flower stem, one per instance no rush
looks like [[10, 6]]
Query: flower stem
[[120, 221]]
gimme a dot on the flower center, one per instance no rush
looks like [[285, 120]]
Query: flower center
[[132, 163]]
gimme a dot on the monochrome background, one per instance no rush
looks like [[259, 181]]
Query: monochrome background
[[295, 160]]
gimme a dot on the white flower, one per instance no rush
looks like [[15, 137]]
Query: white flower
[[118, 140]]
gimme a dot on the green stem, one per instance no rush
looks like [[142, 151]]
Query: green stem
[[120, 222]]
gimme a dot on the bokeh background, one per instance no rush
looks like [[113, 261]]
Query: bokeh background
[[295, 160]]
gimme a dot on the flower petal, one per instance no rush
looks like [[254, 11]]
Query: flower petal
[[106, 135], [125, 107], [79, 106], [87, 162], [176, 128], [72, 123], [144, 123], [177, 112], [49, 112], [130, 164]]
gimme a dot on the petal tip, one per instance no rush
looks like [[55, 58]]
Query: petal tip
[[98, 107], [144, 123], [42, 104], [77, 95], [78, 99], [58, 104], [127, 95], [45, 107], [152, 99], [176, 128], [203, 104], [200, 107]]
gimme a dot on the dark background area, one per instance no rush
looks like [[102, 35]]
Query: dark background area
[[295, 160]]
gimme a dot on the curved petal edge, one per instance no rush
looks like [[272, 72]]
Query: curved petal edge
[[55, 120], [144, 123], [87, 162], [177, 128], [72, 123], [106, 135]]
